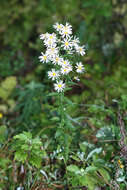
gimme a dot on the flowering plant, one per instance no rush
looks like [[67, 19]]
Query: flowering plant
[[60, 49], [63, 51]]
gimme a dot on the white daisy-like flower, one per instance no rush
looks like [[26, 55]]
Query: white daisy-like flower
[[52, 37], [79, 67], [49, 43], [58, 27], [44, 36], [44, 57], [52, 52], [80, 50], [67, 44], [66, 69], [65, 63], [55, 48], [53, 74], [66, 30], [59, 86], [57, 60], [75, 41], [50, 40]]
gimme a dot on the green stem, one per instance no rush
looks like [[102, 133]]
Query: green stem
[[63, 126], [61, 110], [62, 123]]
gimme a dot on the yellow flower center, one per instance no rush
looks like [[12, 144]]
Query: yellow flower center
[[57, 59], [51, 37], [45, 57], [58, 26], [66, 43], [80, 49], [65, 32], [80, 67], [64, 62], [59, 85], [65, 70], [54, 74]]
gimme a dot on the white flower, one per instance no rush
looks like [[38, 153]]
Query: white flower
[[59, 86], [75, 41], [65, 63], [52, 52], [53, 74], [44, 36], [52, 37], [66, 69], [66, 30], [80, 50], [57, 46], [66, 43], [57, 60], [50, 40], [44, 58], [58, 27], [79, 67], [49, 43]]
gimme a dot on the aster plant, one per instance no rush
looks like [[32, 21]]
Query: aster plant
[[63, 53]]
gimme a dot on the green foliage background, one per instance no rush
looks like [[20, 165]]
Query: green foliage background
[[102, 27]]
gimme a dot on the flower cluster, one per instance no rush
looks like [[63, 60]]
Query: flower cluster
[[60, 49]]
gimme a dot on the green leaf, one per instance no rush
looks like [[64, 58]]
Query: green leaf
[[84, 145], [67, 100], [89, 181], [25, 136], [53, 94], [20, 156], [90, 169], [105, 133], [55, 119], [73, 168], [121, 179], [95, 151], [105, 174], [44, 174], [75, 158]]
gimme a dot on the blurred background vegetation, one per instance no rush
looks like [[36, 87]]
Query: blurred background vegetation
[[102, 26]]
